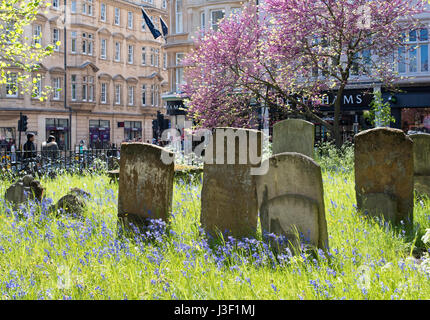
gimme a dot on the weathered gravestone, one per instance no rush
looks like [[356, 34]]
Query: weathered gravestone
[[23, 190], [229, 200], [291, 199], [145, 183], [73, 203], [421, 163], [384, 174], [294, 135]]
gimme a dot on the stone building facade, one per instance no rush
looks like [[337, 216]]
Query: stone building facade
[[188, 18], [114, 78]]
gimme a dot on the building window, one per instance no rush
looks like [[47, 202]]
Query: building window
[[73, 93], [157, 57], [216, 16], [56, 84], [157, 95], [143, 25], [152, 56], [143, 56], [202, 21], [11, 86], [56, 38], [55, 4], [143, 94], [178, 16], [117, 51], [87, 43], [164, 60], [130, 54], [152, 95], [87, 7], [91, 89], [74, 36], [130, 20], [179, 71], [37, 32], [413, 56], [103, 49], [131, 96], [103, 93], [164, 4], [73, 6], [117, 17], [37, 89], [103, 12], [117, 94]]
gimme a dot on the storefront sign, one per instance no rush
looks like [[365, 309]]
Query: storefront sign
[[351, 100]]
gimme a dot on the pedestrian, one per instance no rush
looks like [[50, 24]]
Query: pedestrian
[[13, 152], [50, 148], [29, 147]]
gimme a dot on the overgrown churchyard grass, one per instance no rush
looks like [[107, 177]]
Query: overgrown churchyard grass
[[65, 258]]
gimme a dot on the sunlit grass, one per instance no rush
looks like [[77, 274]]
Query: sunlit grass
[[48, 258]]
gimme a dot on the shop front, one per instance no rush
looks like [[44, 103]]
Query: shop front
[[59, 128], [133, 131], [99, 134], [411, 108]]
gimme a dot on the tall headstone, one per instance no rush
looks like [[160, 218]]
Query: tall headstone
[[145, 183], [384, 174], [294, 135], [421, 163], [291, 199], [229, 199]]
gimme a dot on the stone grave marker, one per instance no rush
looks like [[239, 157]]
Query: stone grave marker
[[421, 163], [291, 199], [145, 183], [384, 174], [229, 199], [294, 135]]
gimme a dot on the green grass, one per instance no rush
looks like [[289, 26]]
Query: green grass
[[49, 258]]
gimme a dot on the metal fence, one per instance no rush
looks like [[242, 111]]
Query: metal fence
[[51, 162]]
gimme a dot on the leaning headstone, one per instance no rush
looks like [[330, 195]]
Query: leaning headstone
[[384, 174], [291, 200], [294, 135], [228, 199], [145, 183], [23, 190], [421, 163]]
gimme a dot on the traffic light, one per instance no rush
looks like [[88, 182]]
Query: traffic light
[[24, 123]]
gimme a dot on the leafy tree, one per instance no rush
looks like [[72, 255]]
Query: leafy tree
[[380, 111], [289, 54], [18, 51]]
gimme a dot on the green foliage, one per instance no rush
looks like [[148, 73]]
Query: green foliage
[[335, 159], [380, 111], [21, 55]]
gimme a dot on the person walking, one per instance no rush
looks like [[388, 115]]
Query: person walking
[[29, 147]]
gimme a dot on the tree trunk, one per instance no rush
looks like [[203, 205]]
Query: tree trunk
[[336, 124]]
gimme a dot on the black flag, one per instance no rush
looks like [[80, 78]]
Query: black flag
[[150, 25], [164, 28]]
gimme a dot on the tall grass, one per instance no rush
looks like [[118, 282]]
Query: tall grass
[[42, 257]]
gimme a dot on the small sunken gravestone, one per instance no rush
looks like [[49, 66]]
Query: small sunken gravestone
[[294, 135], [384, 174], [291, 200], [145, 183]]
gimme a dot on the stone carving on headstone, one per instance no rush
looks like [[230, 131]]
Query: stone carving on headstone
[[291, 200], [294, 135], [384, 174], [421, 163], [145, 183], [229, 200]]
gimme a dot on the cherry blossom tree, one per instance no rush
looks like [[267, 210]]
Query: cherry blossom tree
[[290, 54]]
